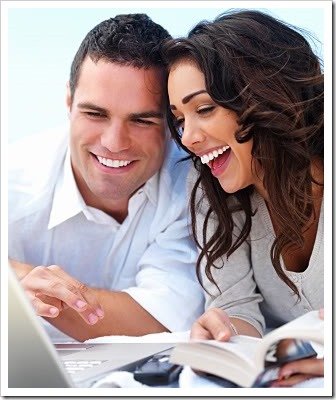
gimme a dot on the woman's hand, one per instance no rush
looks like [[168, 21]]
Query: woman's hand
[[213, 324], [298, 371], [216, 324]]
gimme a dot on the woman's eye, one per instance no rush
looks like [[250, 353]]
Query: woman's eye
[[205, 110], [179, 126], [179, 122]]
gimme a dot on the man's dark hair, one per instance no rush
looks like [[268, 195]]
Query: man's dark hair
[[127, 39]]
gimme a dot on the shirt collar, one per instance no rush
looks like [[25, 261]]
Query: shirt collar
[[67, 200], [150, 188]]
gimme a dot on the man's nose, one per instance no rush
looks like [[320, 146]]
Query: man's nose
[[116, 137]]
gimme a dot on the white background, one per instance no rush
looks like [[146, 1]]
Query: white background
[[43, 38], [38, 42]]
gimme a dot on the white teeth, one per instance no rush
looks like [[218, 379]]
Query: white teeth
[[113, 163], [214, 154]]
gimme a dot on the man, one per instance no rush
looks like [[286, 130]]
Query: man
[[98, 227]]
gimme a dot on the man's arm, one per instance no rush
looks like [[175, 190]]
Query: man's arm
[[51, 291], [122, 316], [21, 269], [76, 305]]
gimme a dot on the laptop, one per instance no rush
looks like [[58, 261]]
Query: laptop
[[35, 362]]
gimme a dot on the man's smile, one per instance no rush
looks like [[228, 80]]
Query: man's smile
[[113, 163]]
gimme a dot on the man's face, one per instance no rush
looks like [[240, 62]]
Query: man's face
[[117, 134]]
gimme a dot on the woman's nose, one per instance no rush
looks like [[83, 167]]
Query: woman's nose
[[191, 135]]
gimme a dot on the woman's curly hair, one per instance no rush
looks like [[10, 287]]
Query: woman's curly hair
[[267, 73]]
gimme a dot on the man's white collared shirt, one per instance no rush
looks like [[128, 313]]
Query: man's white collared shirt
[[150, 255]]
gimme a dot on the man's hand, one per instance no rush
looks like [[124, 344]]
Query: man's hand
[[51, 290], [78, 308]]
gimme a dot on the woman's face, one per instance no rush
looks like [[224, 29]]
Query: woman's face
[[208, 130]]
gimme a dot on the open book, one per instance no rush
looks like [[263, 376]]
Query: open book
[[249, 361]]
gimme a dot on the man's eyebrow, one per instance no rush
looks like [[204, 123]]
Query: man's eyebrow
[[92, 106], [147, 114]]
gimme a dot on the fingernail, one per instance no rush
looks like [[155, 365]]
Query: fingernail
[[221, 335], [80, 303], [99, 312], [92, 318], [53, 310], [285, 375]]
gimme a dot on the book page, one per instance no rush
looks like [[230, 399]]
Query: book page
[[233, 360], [246, 347], [308, 327]]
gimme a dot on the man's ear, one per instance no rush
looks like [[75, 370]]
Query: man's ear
[[68, 96]]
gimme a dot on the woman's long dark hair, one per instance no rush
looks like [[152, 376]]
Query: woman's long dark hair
[[266, 72]]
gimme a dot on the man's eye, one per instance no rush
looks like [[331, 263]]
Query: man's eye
[[144, 121], [94, 114]]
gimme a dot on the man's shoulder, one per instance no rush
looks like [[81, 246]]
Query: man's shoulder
[[37, 154], [169, 185], [176, 164], [42, 143], [33, 167]]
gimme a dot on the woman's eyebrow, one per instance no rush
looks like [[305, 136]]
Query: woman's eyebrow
[[187, 98]]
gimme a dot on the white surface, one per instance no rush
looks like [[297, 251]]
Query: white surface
[[119, 379], [187, 379], [165, 337]]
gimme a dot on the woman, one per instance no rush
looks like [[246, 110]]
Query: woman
[[246, 101]]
